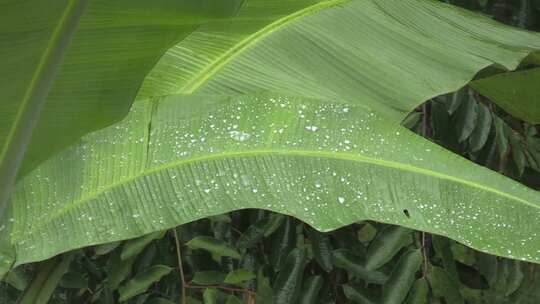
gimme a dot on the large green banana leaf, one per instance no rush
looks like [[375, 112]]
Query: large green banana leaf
[[193, 60], [181, 158], [324, 146], [392, 54], [79, 63]]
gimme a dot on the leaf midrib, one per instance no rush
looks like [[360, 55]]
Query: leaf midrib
[[303, 153], [210, 70]]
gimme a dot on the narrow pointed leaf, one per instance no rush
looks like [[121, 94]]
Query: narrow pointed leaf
[[214, 246], [399, 283], [481, 131], [46, 280], [118, 270], [501, 136], [355, 265], [282, 242], [142, 281], [288, 283], [518, 153], [260, 229], [133, 247], [322, 249], [385, 245], [466, 117], [276, 220], [454, 100]]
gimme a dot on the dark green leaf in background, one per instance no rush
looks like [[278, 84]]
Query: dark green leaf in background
[[142, 281], [214, 246], [288, 285]]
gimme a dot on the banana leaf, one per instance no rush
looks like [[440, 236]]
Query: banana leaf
[[72, 66], [300, 116], [327, 164]]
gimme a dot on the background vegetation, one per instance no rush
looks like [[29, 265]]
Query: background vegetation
[[252, 256]]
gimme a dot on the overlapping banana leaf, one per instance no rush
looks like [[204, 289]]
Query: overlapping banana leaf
[[323, 143], [79, 63], [391, 54], [516, 92]]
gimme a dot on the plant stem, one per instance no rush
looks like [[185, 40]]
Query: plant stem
[[424, 255], [180, 267]]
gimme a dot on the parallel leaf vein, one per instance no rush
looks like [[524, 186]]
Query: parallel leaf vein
[[210, 70]]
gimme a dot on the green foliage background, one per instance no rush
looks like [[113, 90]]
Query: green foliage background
[[254, 256]]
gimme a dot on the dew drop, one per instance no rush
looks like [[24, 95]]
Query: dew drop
[[239, 136]]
